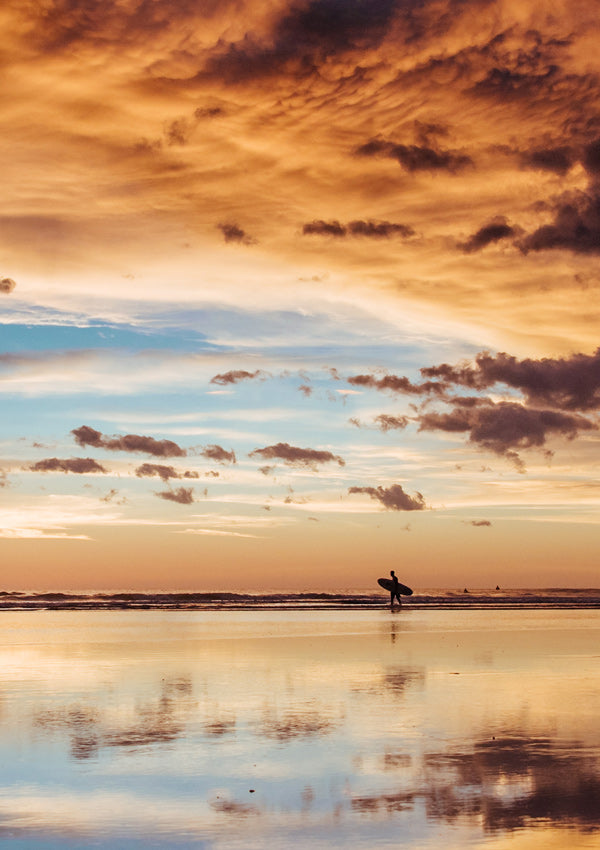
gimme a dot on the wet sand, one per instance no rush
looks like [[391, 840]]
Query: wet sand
[[320, 729]]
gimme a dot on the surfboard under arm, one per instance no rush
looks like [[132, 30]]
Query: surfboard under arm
[[388, 584]]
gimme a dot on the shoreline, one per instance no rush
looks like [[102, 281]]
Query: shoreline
[[447, 600]]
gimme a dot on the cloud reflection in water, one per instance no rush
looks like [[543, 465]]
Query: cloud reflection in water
[[295, 734]]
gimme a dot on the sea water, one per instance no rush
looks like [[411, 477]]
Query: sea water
[[270, 727]]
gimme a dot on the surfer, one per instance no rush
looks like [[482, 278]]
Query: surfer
[[394, 592]]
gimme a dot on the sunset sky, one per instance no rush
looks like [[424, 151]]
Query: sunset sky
[[296, 293]]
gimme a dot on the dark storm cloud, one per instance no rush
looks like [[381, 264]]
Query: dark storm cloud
[[295, 456], [506, 425], [304, 38], [183, 495], [78, 465], [492, 232], [233, 233], [369, 229], [591, 158], [571, 383], [86, 436], [63, 24], [558, 160], [508, 84], [218, 454], [7, 285], [234, 376], [393, 498], [385, 422], [576, 226], [416, 157]]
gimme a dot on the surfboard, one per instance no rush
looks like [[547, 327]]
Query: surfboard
[[388, 584]]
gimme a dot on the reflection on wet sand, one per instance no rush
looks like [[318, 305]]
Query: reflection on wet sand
[[154, 722], [516, 781], [506, 784], [301, 731], [296, 723]]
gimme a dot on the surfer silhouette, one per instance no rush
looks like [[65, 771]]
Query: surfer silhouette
[[394, 592]]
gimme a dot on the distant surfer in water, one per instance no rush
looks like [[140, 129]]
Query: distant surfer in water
[[394, 592]]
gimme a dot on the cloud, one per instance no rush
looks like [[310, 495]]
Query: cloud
[[557, 160], [506, 425], [234, 376], [369, 229], [165, 473], [395, 384], [302, 39], [393, 498], [78, 465], [86, 436], [306, 390], [295, 456], [324, 228], [576, 226], [416, 157], [111, 496], [233, 233], [567, 383], [7, 285], [3, 479], [493, 232], [385, 422], [480, 523], [182, 495], [506, 84], [147, 470], [218, 454]]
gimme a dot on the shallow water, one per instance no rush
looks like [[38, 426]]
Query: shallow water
[[320, 729]]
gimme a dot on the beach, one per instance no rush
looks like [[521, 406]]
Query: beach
[[358, 728]]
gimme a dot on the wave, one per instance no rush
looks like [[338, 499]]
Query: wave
[[217, 600]]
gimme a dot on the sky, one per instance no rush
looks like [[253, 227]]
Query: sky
[[295, 293]]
